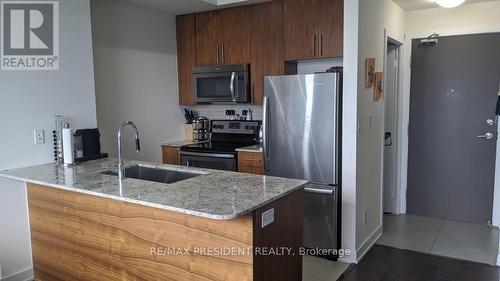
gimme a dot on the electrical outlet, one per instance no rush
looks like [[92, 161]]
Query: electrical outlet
[[365, 217], [370, 121], [267, 217], [39, 136]]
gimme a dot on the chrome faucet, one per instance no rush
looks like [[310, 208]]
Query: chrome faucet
[[121, 168]]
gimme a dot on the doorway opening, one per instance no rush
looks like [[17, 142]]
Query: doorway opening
[[391, 140], [452, 150]]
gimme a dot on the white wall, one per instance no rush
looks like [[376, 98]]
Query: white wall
[[466, 19], [29, 100], [349, 135], [136, 76], [375, 18]]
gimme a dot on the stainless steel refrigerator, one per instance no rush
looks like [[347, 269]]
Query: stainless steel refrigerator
[[301, 139]]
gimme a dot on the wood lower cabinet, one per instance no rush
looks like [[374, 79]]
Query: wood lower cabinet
[[266, 37], [251, 162], [186, 53], [171, 155], [313, 29]]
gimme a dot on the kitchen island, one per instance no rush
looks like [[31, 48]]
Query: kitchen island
[[217, 225]]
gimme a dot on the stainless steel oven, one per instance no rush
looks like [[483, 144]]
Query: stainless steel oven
[[222, 84], [215, 161]]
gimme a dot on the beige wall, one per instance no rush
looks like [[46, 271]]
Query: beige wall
[[375, 18], [29, 100], [135, 62]]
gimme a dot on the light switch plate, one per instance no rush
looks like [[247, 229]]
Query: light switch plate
[[267, 217], [39, 136]]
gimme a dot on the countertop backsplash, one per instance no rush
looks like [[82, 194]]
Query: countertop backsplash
[[218, 111]]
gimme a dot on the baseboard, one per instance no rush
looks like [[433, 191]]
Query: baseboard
[[368, 243], [498, 258], [24, 275]]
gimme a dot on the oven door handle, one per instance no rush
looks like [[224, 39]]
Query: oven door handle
[[212, 155], [231, 86]]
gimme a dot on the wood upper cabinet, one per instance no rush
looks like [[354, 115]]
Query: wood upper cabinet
[[266, 45], [185, 57], [223, 37], [313, 29], [331, 28], [235, 35], [207, 38], [300, 29]]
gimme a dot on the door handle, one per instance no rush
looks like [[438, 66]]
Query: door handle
[[487, 136]]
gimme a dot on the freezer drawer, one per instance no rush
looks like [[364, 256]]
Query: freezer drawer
[[321, 217]]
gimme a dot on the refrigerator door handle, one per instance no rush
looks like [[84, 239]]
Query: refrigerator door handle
[[319, 191], [264, 132]]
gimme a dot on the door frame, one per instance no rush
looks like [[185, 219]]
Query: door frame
[[403, 126], [397, 134]]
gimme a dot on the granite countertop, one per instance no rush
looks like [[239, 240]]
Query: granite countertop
[[252, 148], [180, 143], [219, 195]]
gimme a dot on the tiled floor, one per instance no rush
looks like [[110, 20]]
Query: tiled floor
[[459, 240], [318, 269]]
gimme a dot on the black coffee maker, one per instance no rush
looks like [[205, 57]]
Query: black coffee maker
[[88, 145]]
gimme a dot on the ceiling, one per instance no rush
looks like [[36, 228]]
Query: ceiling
[[180, 7], [410, 5]]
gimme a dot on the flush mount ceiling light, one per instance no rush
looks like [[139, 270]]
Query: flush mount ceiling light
[[450, 3]]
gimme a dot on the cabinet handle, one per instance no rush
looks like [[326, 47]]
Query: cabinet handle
[[223, 57], [321, 45], [315, 39], [218, 53]]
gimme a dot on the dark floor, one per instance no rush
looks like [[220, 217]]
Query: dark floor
[[383, 263]]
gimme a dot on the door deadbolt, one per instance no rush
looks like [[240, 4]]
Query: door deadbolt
[[490, 122]]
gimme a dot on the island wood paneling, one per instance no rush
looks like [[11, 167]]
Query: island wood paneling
[[82, 237], [285, 232]]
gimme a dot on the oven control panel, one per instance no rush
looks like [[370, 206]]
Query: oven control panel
[[234, 127]]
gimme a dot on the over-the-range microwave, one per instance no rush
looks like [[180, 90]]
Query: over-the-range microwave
[[222, 84]]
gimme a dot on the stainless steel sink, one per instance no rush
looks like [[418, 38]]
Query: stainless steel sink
[[153, 174]]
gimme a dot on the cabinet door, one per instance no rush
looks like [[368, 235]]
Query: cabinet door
[[251, 163], [301, 39], [235, 35], [331, 28], [207, 38], [186, 53], [171, 155], [266, 45]]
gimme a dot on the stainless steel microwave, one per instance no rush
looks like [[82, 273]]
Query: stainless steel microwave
[[222, 84]]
